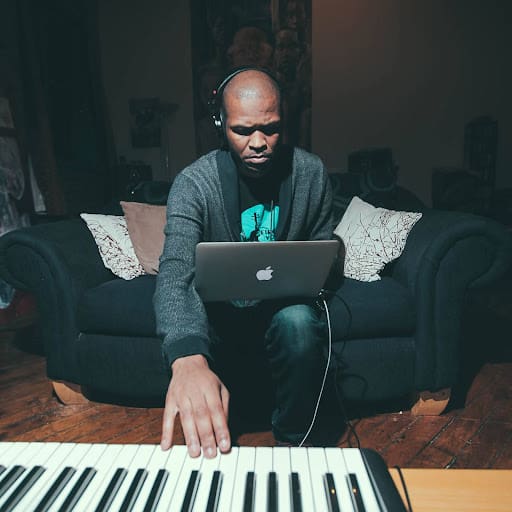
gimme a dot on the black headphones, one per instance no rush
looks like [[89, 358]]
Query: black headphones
[[216, 101]]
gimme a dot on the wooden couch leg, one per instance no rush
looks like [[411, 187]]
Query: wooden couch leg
[[431, 403], [69, 393]]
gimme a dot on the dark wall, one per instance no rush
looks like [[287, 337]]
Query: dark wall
[[410, 75]]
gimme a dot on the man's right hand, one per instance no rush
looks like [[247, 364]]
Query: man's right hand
[[202, 401]]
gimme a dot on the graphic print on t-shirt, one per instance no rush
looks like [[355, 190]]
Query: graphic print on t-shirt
[[259, 223]]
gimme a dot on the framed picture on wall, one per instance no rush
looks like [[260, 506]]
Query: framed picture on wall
[[273, 34], [145, 122]]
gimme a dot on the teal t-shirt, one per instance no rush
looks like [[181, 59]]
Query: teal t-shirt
[[259, 211], [259, 222]]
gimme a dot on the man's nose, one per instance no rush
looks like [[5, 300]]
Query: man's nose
[[258, 141]]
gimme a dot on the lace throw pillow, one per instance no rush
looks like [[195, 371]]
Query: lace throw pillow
[[373, 237], [115, 247]]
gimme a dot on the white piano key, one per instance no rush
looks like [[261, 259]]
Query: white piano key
[[109, 460], [9, 451], [317, 469], [336, 465], [36, 454], [56, 460], [174, 464], [299, 464], [189, 464], [157, 462], [82, 456], [245, 463], [355, 464], [227, 466], [262, 467], [282, 467], [208, 466], [139, 460], [4, 446], [123, 461]]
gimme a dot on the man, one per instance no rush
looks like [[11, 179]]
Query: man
[[255, 189]]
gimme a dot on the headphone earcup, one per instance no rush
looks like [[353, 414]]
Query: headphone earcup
[[215, 113], [218, 123]]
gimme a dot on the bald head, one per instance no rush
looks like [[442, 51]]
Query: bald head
[[248, 85], [251, 119]]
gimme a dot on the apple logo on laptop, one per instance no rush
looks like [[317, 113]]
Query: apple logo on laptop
[[265, 274]]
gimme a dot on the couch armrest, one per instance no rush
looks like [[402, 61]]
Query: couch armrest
[[56, 262], [446, 254], [439, 232]]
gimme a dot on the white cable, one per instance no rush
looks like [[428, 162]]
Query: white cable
[[325, 373]]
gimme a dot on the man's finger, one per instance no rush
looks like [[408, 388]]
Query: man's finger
[[221, 428], [204, 418], [224, 396], [169, 417], [188, 424]]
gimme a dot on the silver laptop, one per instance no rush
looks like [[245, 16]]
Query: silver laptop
[[263, 270]]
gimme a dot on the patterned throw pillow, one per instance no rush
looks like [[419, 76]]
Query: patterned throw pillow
[[372, 237], [115, 247]]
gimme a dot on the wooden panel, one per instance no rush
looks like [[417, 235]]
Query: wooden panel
[[433, 490]]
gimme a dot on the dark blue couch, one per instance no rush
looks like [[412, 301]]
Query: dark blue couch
[[393, 337]]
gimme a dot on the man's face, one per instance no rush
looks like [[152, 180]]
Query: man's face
[[252, 126]]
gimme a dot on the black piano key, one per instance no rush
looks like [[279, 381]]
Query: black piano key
[[78, 489], [250, 485], [190, 493], [156, 490], [355, 493], [2, 469], [14, 473], [111, 490], [55, 489], [272, 492], [25, 485], [134, 490], [330, 493], [295, 492], [213, 495]]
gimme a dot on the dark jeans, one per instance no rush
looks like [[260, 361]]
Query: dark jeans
[[273, 354]]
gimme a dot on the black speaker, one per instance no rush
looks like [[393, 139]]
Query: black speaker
[[376, 169], [129, 175]]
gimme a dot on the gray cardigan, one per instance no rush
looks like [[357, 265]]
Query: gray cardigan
[[203, 206]]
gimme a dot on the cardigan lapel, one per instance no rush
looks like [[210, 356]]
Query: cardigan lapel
[[285, 191], [228, 175]]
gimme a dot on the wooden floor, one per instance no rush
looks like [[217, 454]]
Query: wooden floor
[[478, 435]]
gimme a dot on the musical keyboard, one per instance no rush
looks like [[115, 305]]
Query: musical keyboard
[[64, 477]]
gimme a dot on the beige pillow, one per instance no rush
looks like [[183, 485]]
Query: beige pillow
[[372, 237], [146, 224]]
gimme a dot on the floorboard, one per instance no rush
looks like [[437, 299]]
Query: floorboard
[[477, 434]]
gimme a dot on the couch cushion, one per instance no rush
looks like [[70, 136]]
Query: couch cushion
[[119, 307], [375, 309]]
